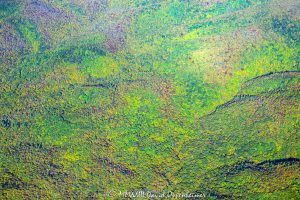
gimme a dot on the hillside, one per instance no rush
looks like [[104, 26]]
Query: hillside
[[196, 96]]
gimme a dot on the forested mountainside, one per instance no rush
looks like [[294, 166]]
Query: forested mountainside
[[103, 97]]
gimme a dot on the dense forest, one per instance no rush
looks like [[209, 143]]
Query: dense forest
[[100, 98]]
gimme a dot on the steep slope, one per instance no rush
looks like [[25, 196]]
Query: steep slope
[[125, 95], [248, 145]]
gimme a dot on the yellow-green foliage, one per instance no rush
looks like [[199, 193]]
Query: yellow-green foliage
[[101, 66], [99, 97]]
